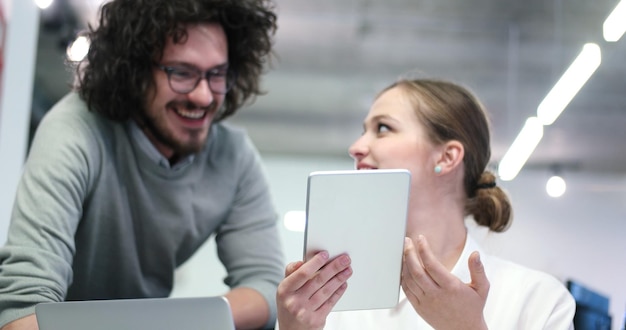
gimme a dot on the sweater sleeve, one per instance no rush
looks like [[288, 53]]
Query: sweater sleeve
[[36, 262], [248, 243]]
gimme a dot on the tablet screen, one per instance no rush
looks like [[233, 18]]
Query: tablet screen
[[362, 213]]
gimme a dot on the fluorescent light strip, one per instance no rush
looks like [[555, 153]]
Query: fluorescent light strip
[[560, 96], [524, 145], [569, 84], [615, 25]]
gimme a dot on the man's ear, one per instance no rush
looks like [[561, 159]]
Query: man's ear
[[451, 156]]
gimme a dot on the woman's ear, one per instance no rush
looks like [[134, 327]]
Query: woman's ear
[[451, 156]]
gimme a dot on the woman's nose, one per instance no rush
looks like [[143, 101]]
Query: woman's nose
[[358, 150]]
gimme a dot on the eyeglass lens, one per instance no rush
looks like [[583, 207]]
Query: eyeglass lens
[[183, 80]]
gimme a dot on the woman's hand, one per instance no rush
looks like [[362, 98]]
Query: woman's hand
[[310, 290], [439, 297]]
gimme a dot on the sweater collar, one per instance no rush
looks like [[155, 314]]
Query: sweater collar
[[151, 151], [461, 269]]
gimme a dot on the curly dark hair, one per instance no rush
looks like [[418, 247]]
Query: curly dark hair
[[117, 73]]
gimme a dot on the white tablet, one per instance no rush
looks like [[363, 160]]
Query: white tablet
[[362, 213]]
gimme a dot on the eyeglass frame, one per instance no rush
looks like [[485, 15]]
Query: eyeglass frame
[[231, 77]]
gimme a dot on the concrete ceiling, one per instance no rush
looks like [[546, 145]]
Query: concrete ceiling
[[333, 56]]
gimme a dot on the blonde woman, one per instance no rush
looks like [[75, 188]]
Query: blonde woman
[[440, 132]]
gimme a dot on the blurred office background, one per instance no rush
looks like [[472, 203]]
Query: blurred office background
[[333, 56]]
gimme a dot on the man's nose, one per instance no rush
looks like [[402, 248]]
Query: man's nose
[[202, 95]]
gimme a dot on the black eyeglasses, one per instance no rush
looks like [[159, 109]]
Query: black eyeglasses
[[184, 79]]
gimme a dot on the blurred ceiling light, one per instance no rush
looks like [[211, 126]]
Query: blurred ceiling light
[[555, 187], [519, 151], [295, 221], [43, 4], [78, 49], [615, 24], [569, 84]]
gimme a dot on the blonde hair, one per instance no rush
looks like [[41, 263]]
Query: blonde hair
[[451, 112]]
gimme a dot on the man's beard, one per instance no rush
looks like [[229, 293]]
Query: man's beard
[[157, 127]]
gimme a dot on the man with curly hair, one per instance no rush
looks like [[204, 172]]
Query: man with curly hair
[[131, 172]]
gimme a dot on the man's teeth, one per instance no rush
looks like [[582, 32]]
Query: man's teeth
[[191, 114]]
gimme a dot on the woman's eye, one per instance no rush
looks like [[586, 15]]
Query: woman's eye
[[382, 128]]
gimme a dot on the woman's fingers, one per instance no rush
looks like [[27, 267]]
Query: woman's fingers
[[306, 271], [310, 291], [292, 267], [414, 278], [328, 305], [328, 282], [317, 279], [480, 283], [435, 269]]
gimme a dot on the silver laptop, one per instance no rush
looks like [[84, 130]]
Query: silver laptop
[[137, 314]]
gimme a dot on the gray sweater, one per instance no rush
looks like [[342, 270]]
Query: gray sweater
[[99, 214]]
